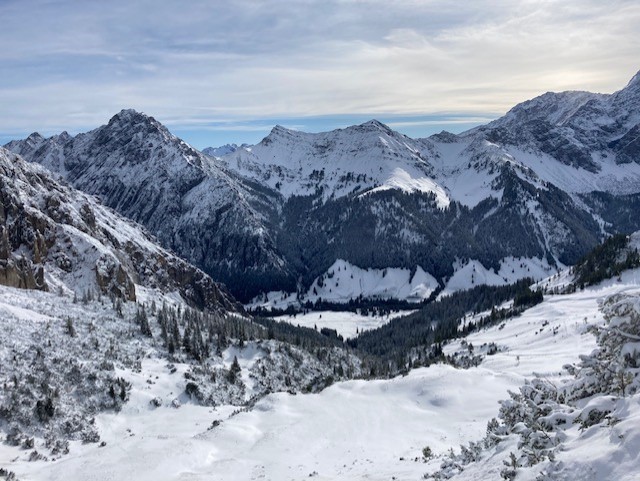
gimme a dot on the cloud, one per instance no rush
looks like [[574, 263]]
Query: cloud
[[70, 64]]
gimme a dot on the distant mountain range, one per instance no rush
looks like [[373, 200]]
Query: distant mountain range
[[223, 150], [519, 196]]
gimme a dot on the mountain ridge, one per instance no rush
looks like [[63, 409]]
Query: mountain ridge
[[547, 181]]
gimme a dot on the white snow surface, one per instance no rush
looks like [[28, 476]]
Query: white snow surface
[[614, 178], [352, 430], [340, 162], [347, 324], [549, 329], [344, 281], [472, 273], [400, 179]]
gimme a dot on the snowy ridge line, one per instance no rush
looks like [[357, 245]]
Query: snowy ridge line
[[337, 163]]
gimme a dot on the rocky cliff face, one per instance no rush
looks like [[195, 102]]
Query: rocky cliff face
[[54, 237], [576, 128]]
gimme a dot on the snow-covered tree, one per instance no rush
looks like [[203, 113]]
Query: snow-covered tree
[[614, 367]]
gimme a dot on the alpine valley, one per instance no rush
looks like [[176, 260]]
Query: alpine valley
[[464, 306]]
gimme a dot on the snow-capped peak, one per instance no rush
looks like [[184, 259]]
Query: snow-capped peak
[[222, 150], [279, 129], [131, 120], [35, 137], [337, 163], [63, 136], [626, 102], [280, 133], [551, 107], [129, 116], [375, 125]]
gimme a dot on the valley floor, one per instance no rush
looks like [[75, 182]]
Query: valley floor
[[372, 430], [347, 324]]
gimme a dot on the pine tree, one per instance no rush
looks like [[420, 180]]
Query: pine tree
[[234, 370], [71, 330], [143, 321]]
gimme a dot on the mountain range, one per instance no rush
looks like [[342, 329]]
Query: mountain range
[[521, 196], [117, 349]]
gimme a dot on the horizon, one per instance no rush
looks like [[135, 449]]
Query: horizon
[[252, 132], [217, 73]]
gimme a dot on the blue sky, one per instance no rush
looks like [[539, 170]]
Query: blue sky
[[217, 71]]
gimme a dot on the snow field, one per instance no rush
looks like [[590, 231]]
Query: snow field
[[347, 324], [473, 273], [351, 430], [344, 281]]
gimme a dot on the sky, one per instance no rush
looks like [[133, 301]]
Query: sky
[[217, 72]]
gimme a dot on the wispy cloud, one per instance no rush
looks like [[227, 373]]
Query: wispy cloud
[[70, 64]]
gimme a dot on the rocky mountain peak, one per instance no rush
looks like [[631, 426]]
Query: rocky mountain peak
[[552, 107], [134, 137], [63, 137], [445, 137], [222, 150], [374, 124], [279, 133], [129, 122], [373, 127], [279, 129], [627, 100], [34, 138], [129, 116]]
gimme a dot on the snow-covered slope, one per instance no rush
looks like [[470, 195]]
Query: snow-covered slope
[[596, 133], [582, 427], [352, 430], [343, 282], [64, 363], [355, 159], [59, 239], [346, 324]]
